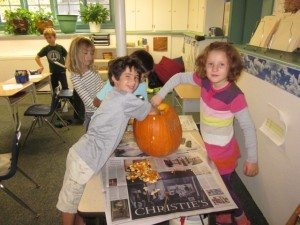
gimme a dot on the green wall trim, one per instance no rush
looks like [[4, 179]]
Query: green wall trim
[[236, 21]]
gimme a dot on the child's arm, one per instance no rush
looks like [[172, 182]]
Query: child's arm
[[177, 79], [96, 102], [104, 91], [294, 217], [250, 166], [83, 92], [38, 61]]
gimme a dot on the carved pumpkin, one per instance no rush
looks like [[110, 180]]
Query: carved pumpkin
[[159, 135]]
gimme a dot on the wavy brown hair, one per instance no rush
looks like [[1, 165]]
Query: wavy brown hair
[[233, 56], [73, 62]]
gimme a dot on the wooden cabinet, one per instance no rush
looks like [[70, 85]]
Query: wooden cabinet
[[162, 15], [179, 14], [138, 15], [204, 14], [170, 15], [156, 15]]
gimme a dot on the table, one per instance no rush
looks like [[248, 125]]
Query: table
[[12, 93], [187, 96], [92, 202]]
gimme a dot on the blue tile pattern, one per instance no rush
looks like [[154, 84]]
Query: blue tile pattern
[[281, 76]]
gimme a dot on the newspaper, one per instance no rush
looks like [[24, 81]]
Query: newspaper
[[188, 184], [187, 122]]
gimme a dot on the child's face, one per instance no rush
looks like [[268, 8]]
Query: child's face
[[217, 68], [50, 39], [128, 81], [86, 56]]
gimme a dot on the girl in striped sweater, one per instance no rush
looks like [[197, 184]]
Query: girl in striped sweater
[[86, 81], [217, 69]]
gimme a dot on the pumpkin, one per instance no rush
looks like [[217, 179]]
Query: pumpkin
[[159, 135]]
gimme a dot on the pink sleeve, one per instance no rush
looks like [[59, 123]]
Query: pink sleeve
[[197, 79]]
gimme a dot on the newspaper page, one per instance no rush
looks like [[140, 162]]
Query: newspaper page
[[187, 185], [187, 122]]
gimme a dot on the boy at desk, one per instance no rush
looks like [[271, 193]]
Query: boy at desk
[[56, 55], [107, 126]]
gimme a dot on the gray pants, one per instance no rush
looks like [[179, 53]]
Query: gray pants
[[87, 119]]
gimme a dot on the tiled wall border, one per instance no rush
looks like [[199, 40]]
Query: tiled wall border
[[282, 76]]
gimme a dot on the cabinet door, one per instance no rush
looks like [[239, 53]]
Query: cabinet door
[[180, 14], [162, 14], [201, 16], [130, 14], [143, 18], [193, 15]]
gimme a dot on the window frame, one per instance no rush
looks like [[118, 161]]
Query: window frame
[[79, 25]]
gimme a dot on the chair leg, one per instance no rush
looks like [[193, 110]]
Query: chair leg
[[17, 199], [30, 129], [28, 177], [53, 128], [62, 120], [73, 108]]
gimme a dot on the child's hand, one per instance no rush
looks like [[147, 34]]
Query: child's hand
[[156, 100], [40, 70], [250, 169], [96, 102], [154, 111]]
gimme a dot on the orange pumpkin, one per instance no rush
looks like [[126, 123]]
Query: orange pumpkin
[[159, 135]]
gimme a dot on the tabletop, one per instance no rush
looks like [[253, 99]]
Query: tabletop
[[188, 91], [10, 87]]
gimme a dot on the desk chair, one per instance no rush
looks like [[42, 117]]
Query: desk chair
[[66, 96], [9, 166], [41, 112]]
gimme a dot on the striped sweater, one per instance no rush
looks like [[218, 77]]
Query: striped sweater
[[218, 108], [87, 86]]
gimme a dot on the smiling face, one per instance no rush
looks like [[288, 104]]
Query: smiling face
[[86, 56], [217, 68], [128, 81]]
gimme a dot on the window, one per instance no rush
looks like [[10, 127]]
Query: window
[[8, 5], [56, 7]]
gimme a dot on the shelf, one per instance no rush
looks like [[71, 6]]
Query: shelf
[[101, 60]]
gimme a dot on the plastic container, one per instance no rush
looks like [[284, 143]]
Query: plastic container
[[67, 23], [21, 76]]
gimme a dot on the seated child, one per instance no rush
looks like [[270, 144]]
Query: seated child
[[106, 129]]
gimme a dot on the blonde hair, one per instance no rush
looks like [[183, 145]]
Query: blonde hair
[[73, 61], [49, 31]]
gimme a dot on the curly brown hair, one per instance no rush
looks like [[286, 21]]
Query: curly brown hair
[[233, 56]]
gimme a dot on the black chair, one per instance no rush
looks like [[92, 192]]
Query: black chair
[[9, 166], [41, 112], [66, 96]]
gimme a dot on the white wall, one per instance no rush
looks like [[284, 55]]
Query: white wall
[[20, 54], [276, 189]]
